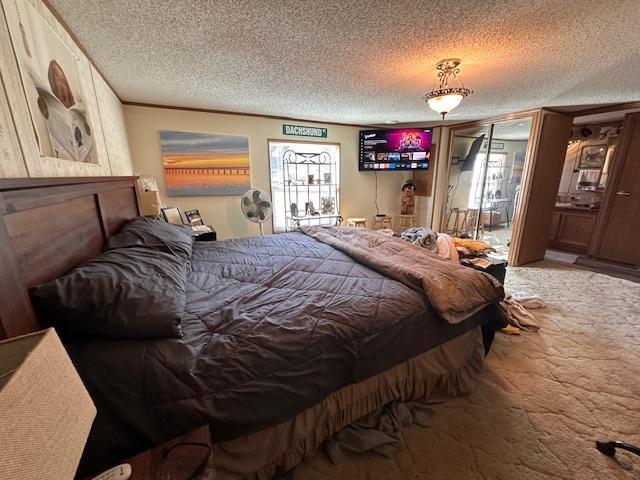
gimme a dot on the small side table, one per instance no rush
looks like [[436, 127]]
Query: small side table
[[382, 222], [357, 222], [147, 465], [459, 220], [497, 269], [206, 236]]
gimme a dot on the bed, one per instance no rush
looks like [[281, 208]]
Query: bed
[[286, 339]]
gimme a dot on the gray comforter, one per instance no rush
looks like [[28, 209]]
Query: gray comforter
[[455, 291], [272, 325]]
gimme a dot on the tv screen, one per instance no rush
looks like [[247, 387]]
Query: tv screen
[[397, 149]]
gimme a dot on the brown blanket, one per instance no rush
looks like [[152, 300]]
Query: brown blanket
[[455, 292]]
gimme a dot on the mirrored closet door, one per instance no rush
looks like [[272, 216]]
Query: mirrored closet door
[[485, 175]]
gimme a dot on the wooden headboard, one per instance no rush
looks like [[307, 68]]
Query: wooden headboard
[[49, 226]]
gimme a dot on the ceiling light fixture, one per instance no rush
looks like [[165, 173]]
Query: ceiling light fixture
[[444, 97]]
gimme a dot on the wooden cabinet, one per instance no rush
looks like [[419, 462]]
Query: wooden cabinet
[[572, 230]]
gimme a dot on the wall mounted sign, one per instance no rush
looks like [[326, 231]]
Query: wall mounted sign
[[494, 145], [302, 131]]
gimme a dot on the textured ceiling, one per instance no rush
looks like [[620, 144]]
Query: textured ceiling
[[360, 61]]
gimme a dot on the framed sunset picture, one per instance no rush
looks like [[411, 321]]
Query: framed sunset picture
[[198, 164]]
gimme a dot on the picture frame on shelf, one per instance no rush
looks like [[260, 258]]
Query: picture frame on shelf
[[592, 156], [193, 217], [172, 215]]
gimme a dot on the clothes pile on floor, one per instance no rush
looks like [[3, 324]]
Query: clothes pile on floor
[[380, 431], [516, 306]]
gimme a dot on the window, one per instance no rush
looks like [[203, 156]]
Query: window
[[305, 184]]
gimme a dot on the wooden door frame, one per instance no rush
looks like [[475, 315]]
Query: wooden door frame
[[526, 184]]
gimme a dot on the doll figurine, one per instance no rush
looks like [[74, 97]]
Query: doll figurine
[[408, 192]]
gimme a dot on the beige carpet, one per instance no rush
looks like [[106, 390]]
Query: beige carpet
[[544, 400]]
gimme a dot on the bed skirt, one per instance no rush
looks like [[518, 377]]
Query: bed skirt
[[446, 371]]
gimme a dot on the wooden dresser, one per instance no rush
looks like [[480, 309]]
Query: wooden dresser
[[572, 229]]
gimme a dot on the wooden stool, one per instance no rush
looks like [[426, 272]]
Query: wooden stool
[[382, 222], [357, 222], [459, 220], [471, 219], [405, 221]]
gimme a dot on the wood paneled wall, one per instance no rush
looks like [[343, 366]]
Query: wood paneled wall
[[12, 163], [19, 147]]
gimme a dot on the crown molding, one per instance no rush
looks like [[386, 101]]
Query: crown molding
[[605, 109], [246, 114]]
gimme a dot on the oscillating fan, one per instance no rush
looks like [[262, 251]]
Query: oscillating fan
[[256, 206]]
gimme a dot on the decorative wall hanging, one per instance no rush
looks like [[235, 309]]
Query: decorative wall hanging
[[592, 156], [205, 164], [407, 199], [57, 84], [328, 205]]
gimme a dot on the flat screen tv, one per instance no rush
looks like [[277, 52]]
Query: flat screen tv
[[396, 149]]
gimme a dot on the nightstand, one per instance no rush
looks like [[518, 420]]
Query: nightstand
[[206, 236], [497, 269], [149, 465]]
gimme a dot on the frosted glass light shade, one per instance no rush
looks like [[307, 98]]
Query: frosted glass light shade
[[445, 103]]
